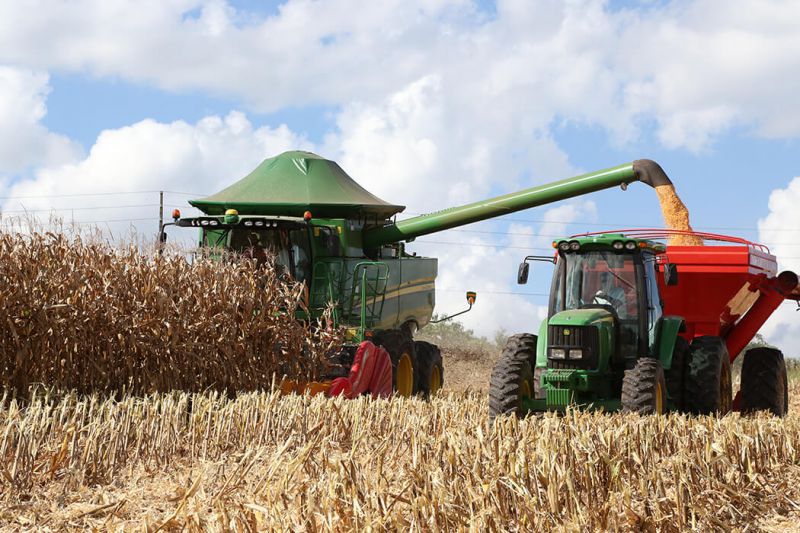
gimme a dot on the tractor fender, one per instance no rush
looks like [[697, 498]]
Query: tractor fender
[[668, 329]]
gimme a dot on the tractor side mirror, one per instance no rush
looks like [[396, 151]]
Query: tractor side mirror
[[163, 237], [670, 274], [522, 274]]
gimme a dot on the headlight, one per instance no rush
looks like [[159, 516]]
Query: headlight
[[618, 245], [630, 245], [574, 246], [576, 354], [563, 246], [248, 223], [558, 353]]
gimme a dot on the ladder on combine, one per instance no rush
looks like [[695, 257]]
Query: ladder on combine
[[367, 295]]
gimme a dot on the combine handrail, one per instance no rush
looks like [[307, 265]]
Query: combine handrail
[[660, 233]]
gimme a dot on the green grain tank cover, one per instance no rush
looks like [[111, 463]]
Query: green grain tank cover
[[295, 182]]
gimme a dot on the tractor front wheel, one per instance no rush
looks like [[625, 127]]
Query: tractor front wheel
[[644, 389], [512, 377], [764, 383], [709, 388], [430, 370]]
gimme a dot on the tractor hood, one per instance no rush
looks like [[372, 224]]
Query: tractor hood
[[581, 317]]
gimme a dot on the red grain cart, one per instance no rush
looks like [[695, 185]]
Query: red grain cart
[[729, 288]]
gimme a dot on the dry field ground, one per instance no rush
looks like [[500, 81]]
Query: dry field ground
[[265, 462]]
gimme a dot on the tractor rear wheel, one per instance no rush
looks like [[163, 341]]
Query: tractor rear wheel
[[644, 389], [676, 375], [403, 356], [764, 383], [512, 377], [430, 370], [708, 381]]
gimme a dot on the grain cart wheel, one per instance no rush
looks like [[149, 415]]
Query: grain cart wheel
[[644, 389], [404, 358], [764, 383], [430, 370], [676, 375], [708, 381], [512, 376]]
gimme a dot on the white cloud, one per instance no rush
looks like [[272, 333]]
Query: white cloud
[[695, 69], [781, 228], [197, 158], [23, 140]]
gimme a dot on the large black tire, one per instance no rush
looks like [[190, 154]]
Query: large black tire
[[512, 376], [644, 389], [709, 388], [400, 346], [676, 375], [430, 369], [764, 382]]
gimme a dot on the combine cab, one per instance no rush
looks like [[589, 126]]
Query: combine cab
[[637, 325]]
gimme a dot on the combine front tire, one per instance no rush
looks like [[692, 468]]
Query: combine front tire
[[764, 383], [644, 389], [430, 370], [708, 381], [404, 358], [512, 377]]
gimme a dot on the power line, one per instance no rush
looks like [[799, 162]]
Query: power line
[[73, 195], [79, 208]]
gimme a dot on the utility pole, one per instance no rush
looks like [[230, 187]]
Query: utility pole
[[160, 213]]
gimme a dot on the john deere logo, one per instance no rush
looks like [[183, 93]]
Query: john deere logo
[[566, 332]]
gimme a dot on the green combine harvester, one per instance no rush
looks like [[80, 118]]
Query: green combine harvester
[[345, 245]]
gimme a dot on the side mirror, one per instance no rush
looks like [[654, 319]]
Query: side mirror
[[670, 274], [522, 274], [163, 237], [471, 296]]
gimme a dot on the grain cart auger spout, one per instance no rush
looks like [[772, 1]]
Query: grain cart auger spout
[[644, 326], [324, 230]]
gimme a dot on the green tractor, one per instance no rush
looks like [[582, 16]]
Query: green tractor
[[623, 333]]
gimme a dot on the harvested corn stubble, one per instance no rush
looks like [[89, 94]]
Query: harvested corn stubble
[[263, 461]]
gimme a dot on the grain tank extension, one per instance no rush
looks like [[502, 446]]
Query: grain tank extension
[[330, 233]]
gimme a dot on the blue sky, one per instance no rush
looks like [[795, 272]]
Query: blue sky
[[428, 104]]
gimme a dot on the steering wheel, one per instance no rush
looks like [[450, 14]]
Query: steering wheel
[[603, 298]]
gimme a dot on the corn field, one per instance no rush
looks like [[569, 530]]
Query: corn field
[[82, 315], [263, 461]]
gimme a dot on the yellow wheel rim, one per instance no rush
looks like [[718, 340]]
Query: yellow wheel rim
[[436, 380], [405, 376], [659, 398]]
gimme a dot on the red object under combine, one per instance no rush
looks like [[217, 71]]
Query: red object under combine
[[371, 373]]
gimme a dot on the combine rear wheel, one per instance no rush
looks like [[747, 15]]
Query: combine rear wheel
[[644, 389], [708, 381], [512, 377], [404, 358], [764, 383], [430, 370]]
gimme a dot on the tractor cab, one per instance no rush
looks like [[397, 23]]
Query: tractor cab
[[606, 278]]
